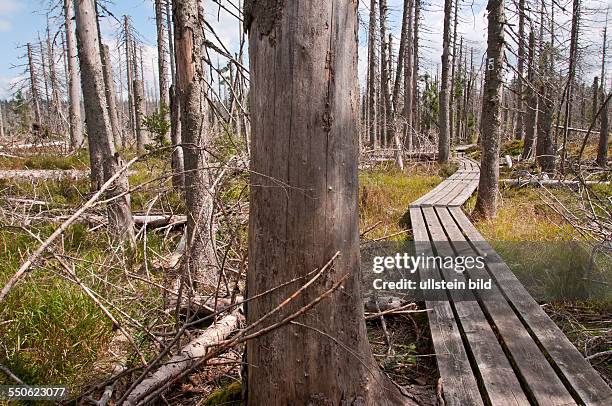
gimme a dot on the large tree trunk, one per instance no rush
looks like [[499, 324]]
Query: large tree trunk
[[545, 150], [188, 20], [111, 99], [162, 63], [532, 102], [304, 189], [178, 162], [74, 85], [491, 131], [569, 99], [444, 112], [99, 129], [372, 69]]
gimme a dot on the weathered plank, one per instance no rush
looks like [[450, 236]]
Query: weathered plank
[[584, 380], [537, 374], [459, 382], [500, 381]]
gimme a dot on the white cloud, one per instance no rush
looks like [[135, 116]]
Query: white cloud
[[8, 7], [5, 25]]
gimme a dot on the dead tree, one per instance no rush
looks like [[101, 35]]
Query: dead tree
[[129, 74], [444, 111], [569, 92], [162, 64], [34, 86], [301, 184], [111, 99], [139, 109], [372, 69], [74, 85], [388, 129], [491, 125], [99, 131], [408, 79], [602, 147], [532, 101], [415, 68], [545, 149], [453, 68], [519, 132], [1, 123], [189, 43]]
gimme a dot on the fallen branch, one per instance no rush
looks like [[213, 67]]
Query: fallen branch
[[188, 356], [60, 230]]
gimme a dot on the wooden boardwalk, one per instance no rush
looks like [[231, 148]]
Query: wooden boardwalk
[[502, 349]]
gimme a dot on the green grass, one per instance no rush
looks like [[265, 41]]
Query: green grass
[[79, 160], [385, 196]]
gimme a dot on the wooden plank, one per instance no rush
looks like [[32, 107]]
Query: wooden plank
[[542, 380], [458, 380], [583, 378], [500, 381]]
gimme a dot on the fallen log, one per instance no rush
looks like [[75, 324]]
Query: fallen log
[[549, 182], [160, 220], [188, 356]]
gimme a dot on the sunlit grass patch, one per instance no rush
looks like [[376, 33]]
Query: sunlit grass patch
[[385, 196], [78, 160]]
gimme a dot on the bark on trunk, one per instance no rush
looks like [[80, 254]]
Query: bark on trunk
[[444, 111], [99, 130], [1, 124], [415, 69], [532, 102], [178, 163], [111, 99], [74, 85], [129, 74], [188, 20], [491, 125], [304, 207], [162, 63]]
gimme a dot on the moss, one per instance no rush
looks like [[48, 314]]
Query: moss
[[79, 160], [227, 396], [512, 148]]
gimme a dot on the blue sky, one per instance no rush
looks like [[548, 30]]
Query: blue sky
[[21, 20]]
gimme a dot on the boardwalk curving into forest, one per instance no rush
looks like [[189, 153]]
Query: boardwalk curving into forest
[[502, 349]]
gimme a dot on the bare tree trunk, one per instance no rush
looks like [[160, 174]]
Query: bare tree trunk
[[602, 147], [532, 102], [178, 163], [594, 105], [545, 150], [141, 139], [1, 123], [388, 131], [519, 133], [188, 20], [111, 99], [408, 79], [453, 84], [491, 131], [34, 86], [397, 84], [170, 40], [55, 96], [415, 69], [444, 112], [129, 75], [99, 129], [372, 69], [162, 64], [292, 233], [569, 99], [74, 85]]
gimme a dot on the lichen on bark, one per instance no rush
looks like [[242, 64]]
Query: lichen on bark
[[267, 13]]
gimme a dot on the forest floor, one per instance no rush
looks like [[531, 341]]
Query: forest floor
[[53, 332]]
